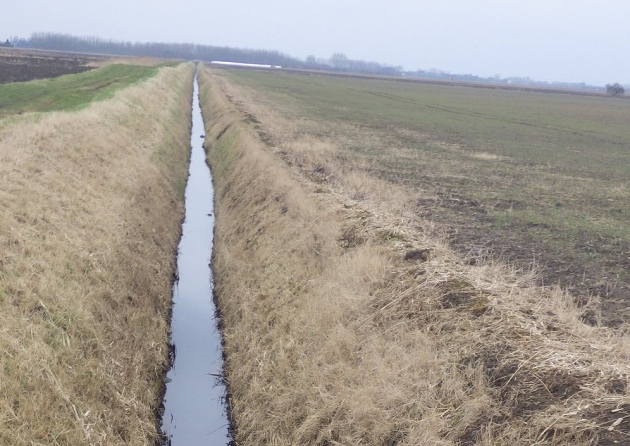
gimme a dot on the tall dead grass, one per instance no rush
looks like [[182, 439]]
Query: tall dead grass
[[90, 212], [146, 61], [347, 320]]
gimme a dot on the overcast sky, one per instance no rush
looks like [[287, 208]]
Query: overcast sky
[[554, 40]]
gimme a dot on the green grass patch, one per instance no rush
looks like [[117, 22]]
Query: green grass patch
[[69, 92]]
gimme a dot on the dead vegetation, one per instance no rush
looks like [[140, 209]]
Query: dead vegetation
[[90, 211], [348, 320]]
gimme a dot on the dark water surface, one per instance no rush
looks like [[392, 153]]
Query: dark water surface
[[195, 413]]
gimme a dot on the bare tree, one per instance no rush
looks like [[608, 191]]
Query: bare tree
[[615, 89], [339, 61]]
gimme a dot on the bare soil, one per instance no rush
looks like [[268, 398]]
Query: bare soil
[[474, 234], [20, 66]]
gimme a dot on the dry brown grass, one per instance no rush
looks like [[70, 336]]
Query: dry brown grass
[[90, 211], [332, 337], [146, 61]]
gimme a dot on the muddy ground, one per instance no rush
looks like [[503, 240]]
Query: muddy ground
[[532, 179], [19, 66], [475, 234]]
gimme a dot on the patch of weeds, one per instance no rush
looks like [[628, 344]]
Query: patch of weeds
[[351, 237], [527, 391], [460, 294], [387, 235], [320, 173]]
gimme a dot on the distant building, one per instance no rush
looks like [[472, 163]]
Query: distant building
[[7, 44]]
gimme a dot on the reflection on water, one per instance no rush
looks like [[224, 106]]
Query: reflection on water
[[195, 413]]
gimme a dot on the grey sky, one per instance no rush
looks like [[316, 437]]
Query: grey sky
[[564, 40]]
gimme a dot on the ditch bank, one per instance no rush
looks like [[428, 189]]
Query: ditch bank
[[91, 214], [268, 232], [195, 409]]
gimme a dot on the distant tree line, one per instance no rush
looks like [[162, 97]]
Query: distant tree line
[[341, 62], [187, 51], [207, 53], [497, 79]]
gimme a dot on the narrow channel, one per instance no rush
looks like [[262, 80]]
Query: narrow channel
[[194, 403]]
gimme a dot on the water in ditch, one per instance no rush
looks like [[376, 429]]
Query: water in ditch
[[194, 404]]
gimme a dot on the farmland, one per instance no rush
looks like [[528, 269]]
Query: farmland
[[533, 178], [19, 65], [404, 264], [69, 91]]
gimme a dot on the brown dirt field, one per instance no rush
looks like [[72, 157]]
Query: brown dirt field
[[473, 233], [17, 65], [477, 239]]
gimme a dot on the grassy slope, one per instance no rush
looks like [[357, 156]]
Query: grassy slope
[[70, 91], [332, 337], [528, 176], [91, 206]]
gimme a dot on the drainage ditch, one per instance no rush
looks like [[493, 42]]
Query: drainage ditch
[[195, 409]]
